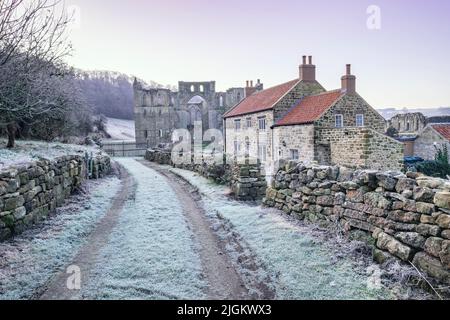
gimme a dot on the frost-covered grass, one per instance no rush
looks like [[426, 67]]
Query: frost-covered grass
[[151, 253], [120, 129], [28, 261], [299, 266], [29, 151]]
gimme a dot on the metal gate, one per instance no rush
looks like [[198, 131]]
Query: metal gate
[[125, 148]]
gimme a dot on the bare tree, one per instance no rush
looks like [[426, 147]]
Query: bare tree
[[33, 44]]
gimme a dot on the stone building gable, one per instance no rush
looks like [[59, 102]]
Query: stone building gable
[[349, 106], [425, 145], [301, 90]]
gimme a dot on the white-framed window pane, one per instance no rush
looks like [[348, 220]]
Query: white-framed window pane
[[294, 154], [262, 153], [339, 121], [249, 122], [262, 124], [360, 120], [237, 125]]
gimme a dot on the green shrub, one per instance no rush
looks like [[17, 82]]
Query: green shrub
[[439, 167]]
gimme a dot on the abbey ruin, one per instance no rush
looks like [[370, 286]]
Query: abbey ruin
[[160, 111]]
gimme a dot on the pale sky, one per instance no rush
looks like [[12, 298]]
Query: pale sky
[[405, 63]]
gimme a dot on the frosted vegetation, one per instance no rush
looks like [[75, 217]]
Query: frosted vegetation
[[120, 129], [30, 260], [151, 253], [299, 266], [29, 151]]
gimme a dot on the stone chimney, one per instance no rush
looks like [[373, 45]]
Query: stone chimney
[[307, 70], [349, 81], [249, 89]]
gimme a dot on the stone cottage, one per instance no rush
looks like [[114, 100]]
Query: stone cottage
[[300, 120], [432, 137]]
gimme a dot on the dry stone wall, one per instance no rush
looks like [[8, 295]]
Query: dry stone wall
[[246, 181], [29, 193], [408, 216]]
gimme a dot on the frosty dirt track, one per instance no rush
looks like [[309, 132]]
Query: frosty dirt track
[[162, 233]]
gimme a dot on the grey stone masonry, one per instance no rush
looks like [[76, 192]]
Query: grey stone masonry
[[245, 180], [407, 216], [29, 193]]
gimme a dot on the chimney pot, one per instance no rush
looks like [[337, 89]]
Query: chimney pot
[[310, 59], [251, 84], [246, 84], [304, 59], [349, 69]]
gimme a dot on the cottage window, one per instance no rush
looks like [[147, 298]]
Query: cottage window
[[161, 133], [237, 147], [360, 120], [339, 120], [262, 153], [221, 101], [262, 123], [249, 122], [294, 154], [146, 134], [247, 146], [237, 125]]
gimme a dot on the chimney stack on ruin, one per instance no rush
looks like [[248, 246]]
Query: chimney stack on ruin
[[307, 70], [349, 81]]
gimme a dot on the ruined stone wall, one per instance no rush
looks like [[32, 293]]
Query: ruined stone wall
[[360, 148], [407, 216], [424, 144], [28, 194], [408, 123], [245, 180]]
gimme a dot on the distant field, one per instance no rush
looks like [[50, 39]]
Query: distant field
[[120, 129]]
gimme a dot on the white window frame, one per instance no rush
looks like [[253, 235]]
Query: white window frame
[[341, 124], [237, 125], [361, 117], [262, 153], [294, 152], [248, 122], [237, 147], [262, 123]]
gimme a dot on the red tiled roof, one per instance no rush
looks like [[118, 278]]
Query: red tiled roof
[[261, 101], [443, 130], [310, 108]]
